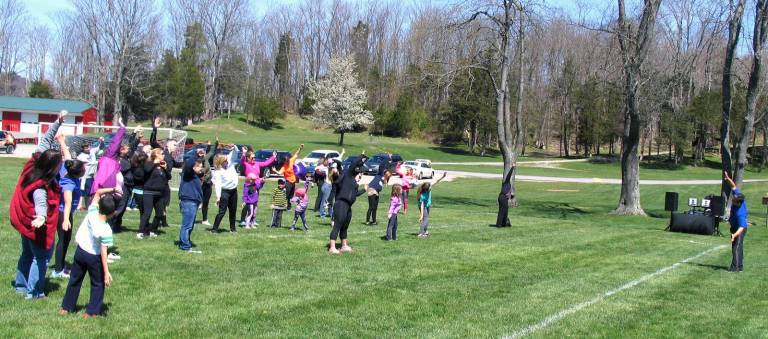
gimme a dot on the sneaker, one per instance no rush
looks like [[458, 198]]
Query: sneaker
[[242, 223], [293, 229], [152, 235], [59, 275], [113, 256], [206, 223], [140, 236], [333, 251], [346, 249], [255, 224], [306, 228], [214, 231], [191, 251]]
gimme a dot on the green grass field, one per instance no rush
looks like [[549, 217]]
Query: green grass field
[[286, 132], [466, 280]]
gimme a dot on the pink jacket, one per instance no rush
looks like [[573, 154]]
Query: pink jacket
[[404, 177], [109, 164], [395, 204], [256, 166]]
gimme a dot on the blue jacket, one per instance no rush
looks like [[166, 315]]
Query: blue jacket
[[191, 188]]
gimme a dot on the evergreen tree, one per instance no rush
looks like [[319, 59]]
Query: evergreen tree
[[40, 89]]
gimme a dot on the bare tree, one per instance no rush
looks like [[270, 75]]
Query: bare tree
[[38, 43], [12, 23], [754, 88], [734, 31], [634, 44]]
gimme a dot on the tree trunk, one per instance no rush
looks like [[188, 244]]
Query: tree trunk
[[753, 89], [634, 49], [734, 30], [341, 138], [764, 157]]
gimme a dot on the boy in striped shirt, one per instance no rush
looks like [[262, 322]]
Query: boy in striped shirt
[[279, 203], [93, 238]]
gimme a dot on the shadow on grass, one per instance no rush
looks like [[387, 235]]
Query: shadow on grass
[[555, 209], [267, 127], [328, 143], [713, 267], [463, 202]]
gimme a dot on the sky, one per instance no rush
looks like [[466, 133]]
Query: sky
[[44, 11]]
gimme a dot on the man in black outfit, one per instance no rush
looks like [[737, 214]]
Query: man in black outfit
[[346, 194], [505, 198]]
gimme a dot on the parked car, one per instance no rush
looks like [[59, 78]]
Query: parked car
[[7, 142], [422, 168], [264, 154], [314, 156], [372, 165], [349, 161]]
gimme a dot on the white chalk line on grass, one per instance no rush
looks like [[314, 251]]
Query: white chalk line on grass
[[562, 314]]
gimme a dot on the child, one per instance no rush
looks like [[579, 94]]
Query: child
[[301, 199], [93, 238], [251, 190], [425, 202], [406, 176], [279, 204], [395, 203]]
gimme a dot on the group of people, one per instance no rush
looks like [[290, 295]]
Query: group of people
[[105, 179]]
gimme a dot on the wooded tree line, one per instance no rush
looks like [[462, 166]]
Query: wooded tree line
[[429, 70]]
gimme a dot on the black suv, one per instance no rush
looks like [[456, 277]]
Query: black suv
[[371, 166]]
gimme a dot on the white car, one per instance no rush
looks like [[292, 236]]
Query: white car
[[314, 156], [422, 168]]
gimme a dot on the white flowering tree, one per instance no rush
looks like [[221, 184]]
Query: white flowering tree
[[339, 101]]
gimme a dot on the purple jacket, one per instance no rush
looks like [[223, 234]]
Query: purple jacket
[[251, 192], [394, 206], [109, 164]]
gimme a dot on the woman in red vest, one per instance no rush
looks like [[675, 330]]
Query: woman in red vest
[[34, 213]]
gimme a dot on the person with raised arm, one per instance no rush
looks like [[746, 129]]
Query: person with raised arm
[[109, 164], [225, 180], [69, 186], [505, 197], [252, 166], [34, 213], [347, 192], [290, 176], [190, 197], [375, 187], [425, 204], [739, 225], [93, 237], [127, 149], [168, 150], [206, 176]]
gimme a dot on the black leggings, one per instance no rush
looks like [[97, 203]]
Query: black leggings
[[63, 244], [207, 190], [290, 188], [373, 206], [502, 219], [117, 221], [228, 201], [342, 215], [153, 200]]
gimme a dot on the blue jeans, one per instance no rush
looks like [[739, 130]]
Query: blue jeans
[[188, 214], [326, 190], [30, 272]]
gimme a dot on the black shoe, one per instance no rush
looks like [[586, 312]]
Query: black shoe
[[306, 228], [214, 231]]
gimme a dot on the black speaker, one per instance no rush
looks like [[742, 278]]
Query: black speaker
[[693, 223], [670, 201], [716, 205]]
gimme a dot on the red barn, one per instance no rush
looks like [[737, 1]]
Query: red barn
[[22, 116]]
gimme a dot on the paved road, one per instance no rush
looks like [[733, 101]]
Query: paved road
[[496, 163], [533, 178]]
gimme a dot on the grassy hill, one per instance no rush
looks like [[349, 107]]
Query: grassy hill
[[287, 134]]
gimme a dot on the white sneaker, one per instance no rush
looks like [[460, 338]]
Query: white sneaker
[[59, 275], [113, 256], [346, 249], [140, 236], [206, 223], [194, 251], [333, 251], [152, 235]]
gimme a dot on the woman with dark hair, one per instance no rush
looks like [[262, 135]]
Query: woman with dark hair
[[155, 182], [346, 194], [505, 198], [34, 212], [124, 161], [137, 173], [69, 186], [206, 177]]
